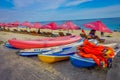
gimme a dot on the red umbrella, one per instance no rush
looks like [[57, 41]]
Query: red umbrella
[[37, 25], [0, 24], [3, 24], [9, 25], [98, 25], [15, 24], [69, 26], [26, 23], [52, 26]]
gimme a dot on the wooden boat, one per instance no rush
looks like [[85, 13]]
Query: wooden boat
[[48, 42]]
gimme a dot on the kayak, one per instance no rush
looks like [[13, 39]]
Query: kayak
[[47, 42]]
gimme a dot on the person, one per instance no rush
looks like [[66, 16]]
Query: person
[[92, 34], [39, 31], [83, 34], [102, 34]]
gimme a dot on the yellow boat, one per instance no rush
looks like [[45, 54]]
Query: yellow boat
[[52, 59]]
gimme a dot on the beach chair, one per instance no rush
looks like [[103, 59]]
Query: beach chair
[[44, 34], [34, 33], [100, 40], [68, 34], [61, 34], [83, 35], [109, 35]]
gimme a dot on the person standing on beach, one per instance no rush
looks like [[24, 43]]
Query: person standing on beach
[[102, 34]]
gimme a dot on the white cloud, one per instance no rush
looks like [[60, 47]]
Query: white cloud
[[42, 4], [109, 11], [76, 2], [47, 4], [22, 3]]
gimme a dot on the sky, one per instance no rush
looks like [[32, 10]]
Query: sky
[[55, 10]]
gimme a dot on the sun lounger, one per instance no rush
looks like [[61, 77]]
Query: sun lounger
[[61, 34]]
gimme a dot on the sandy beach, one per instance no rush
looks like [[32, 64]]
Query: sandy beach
[[15, 67]]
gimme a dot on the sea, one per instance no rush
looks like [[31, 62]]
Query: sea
[[111, 23]]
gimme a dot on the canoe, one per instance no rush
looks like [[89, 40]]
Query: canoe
[[81, 62], [57, 41], [55, 56]]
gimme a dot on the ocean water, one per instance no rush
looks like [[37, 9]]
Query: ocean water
[[112, 23]]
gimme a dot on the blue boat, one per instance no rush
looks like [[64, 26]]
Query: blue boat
[[80, 62], [7, 45], [33, 52]]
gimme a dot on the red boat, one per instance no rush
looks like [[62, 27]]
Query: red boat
[[43, 43]]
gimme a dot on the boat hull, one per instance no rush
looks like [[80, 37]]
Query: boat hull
[[52, 59], [27, 44], [80, 62], [7, 45]]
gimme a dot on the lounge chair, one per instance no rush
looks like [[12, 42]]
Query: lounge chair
[[109, 35], [61, 34], [83, 35], [95, 37], [68, 34]]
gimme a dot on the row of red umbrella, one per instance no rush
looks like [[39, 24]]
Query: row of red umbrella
[[52, 25], [97, 25]]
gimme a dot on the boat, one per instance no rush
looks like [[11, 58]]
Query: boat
[[36, 51], [58, 55], [81, 62], [47, 42], [78, 61], [7, 45]]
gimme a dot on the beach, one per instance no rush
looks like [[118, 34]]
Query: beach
[[15, 67]]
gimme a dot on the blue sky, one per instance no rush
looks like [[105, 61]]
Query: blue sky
[[51, 10]]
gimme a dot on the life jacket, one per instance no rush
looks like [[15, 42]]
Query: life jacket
[[96, 52]]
